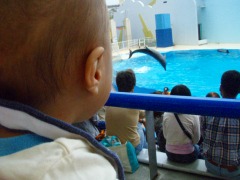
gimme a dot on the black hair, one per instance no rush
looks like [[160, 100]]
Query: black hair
[[181, 90], [213, 94], [230, 83], [126, 80]]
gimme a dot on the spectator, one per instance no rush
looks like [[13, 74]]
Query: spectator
[[158, 119], [101, 113], [55, 70], [123, 122], [221, 135], [166, 91], [213, 94], [90, 125], [180, 147]]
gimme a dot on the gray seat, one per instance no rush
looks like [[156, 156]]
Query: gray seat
[[197, 167]]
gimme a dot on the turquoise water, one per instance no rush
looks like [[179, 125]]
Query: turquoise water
[[200, 70]]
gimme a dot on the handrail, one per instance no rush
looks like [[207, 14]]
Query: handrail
[[134, 43], [178, 104]]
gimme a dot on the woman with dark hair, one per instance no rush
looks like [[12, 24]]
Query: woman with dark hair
[[182, 132]]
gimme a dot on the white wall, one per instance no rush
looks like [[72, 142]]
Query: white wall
[[184, 21], [183, 18], [131, 10], [220, 21], [112, 2]]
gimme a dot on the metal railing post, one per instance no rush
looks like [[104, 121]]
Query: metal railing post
[[151, 145]]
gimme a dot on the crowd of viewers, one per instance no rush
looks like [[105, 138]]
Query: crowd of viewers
[[214, 139]]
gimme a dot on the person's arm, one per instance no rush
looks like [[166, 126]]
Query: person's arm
[[203, 125], [196, 130], [164, 126]]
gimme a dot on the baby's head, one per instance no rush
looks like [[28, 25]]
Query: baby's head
[[49, 49]]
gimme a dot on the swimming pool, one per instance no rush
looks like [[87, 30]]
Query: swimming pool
[[200, 70]]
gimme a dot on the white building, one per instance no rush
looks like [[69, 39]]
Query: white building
[[191, 20]]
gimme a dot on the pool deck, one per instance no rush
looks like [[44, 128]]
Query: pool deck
[[116, 54]]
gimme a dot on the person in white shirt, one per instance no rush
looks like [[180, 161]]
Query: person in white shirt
[[180, 147]]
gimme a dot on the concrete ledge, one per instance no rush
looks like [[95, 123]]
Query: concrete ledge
[[197, 167]]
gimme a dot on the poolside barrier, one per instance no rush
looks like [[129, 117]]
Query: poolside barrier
[[178, 104]]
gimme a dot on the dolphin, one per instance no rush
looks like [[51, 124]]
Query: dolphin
[[151, 52], [223, 50]]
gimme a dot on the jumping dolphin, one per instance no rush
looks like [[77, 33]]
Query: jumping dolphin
[[153, 53]]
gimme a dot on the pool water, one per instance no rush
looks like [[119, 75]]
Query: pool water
[[200, 70]]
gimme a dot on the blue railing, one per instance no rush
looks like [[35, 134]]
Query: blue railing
[[177, 104]]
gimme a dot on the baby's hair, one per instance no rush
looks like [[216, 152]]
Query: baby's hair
[[39, 38]]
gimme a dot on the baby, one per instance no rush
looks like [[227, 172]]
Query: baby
[[55, 64]]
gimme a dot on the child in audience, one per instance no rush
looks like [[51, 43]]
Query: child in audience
[[166, 91]]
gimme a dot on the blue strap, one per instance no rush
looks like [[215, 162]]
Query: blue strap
[[15, 144]]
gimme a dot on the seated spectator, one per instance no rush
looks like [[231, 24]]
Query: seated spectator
[[123, 122], [213, 94], [142, 118], [180, 147], [101, 113], [221, 135], [158, 118], [166, 91], [93, 125]]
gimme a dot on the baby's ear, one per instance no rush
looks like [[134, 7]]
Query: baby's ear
[[93, 70]]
